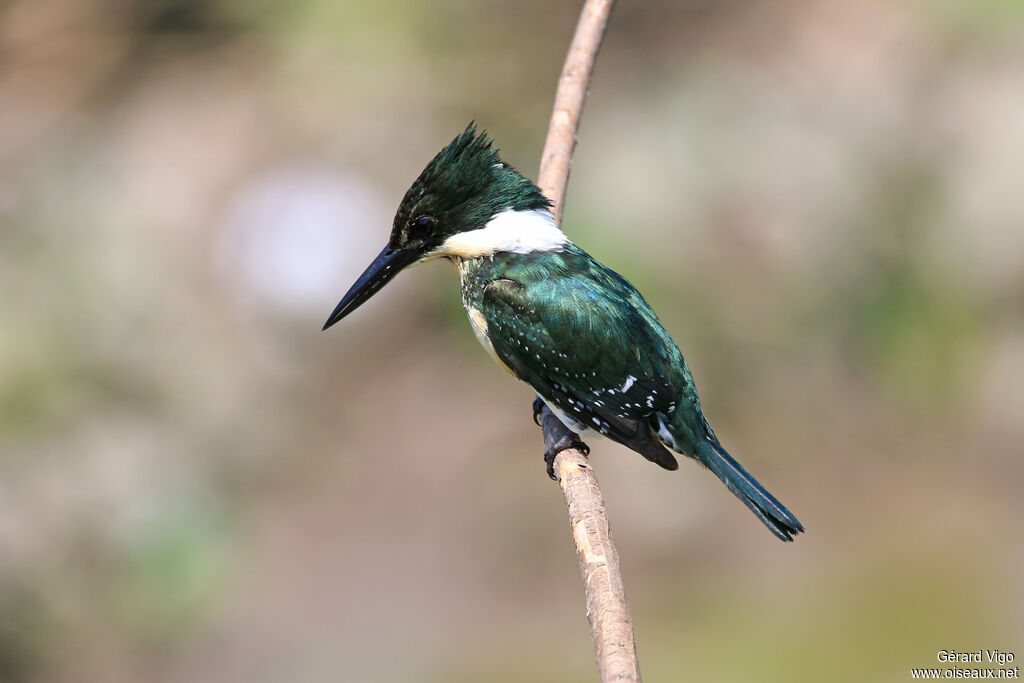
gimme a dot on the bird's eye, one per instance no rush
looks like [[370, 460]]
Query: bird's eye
[[423, 227]]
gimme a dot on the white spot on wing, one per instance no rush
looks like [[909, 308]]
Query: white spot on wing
[[572, 424], [628, 383]]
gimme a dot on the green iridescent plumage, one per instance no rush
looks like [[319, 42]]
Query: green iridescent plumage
[[464, 185], [573, 329], [585, 339]]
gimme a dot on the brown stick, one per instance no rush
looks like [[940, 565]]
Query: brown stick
[[556, 160], [607, 609], [610, 624]]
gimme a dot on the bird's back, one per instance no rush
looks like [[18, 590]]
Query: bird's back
[[585, 339]]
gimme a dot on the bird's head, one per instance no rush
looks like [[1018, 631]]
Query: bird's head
[[458, 194]]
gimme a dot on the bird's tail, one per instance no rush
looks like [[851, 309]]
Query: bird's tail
[[774, 514]]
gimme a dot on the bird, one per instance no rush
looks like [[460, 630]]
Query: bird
[[578, 333]]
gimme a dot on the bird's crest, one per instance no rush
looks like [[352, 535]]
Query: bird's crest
[[466, 184]]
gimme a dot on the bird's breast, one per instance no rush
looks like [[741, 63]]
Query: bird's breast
[[470, 287], [479, 324]]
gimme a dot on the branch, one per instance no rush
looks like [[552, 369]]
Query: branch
[[556, 159], [610, 624], [607, 609]]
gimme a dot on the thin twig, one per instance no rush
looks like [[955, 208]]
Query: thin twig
[[607, 609], [573, 84]]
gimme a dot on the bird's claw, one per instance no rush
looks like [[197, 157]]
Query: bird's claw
[[538, 406], [557, 437], [565, 442], [549, 460]]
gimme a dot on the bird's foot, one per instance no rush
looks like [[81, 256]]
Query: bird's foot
[[565, 442], [557, 437]]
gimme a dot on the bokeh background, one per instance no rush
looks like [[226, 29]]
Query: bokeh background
[[822, 199]]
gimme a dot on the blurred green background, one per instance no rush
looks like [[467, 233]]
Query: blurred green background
[[822, 200]]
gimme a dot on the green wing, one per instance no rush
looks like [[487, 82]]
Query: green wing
[[587, 342]]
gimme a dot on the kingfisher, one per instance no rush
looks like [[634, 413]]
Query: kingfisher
[[571, 328]]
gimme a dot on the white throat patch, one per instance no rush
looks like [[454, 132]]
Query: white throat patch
[[518, 232]]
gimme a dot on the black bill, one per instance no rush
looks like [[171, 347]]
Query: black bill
[[384, 267]]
